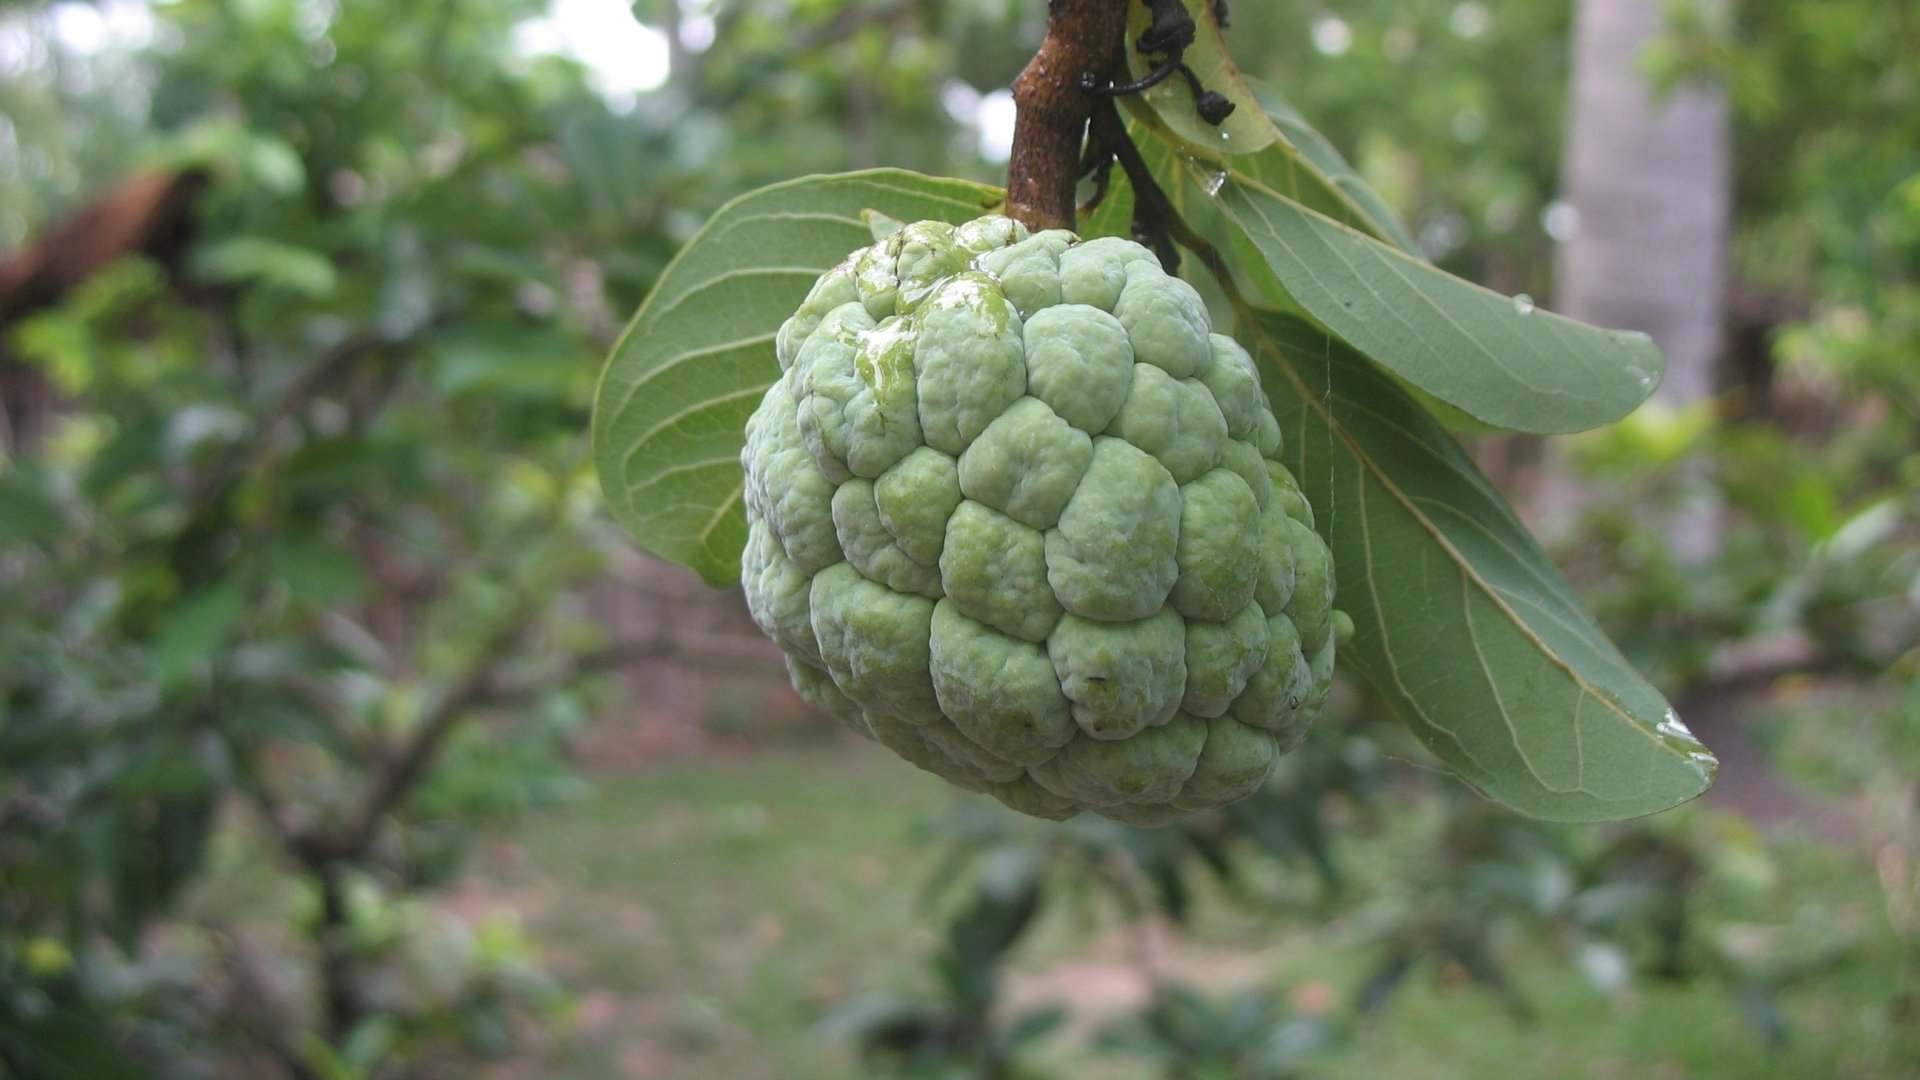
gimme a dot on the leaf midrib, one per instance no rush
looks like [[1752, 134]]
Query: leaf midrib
[[1464, 566], [1559, 324]]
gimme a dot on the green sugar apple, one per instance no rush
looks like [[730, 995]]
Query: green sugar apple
[[1015, 511]]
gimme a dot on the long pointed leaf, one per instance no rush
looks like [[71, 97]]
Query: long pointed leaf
[[1336, 253], [1461, 622], [673, 402], [1333, 170], [1498, 359]]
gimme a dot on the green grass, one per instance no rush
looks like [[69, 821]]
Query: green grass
[[723, 904], [705, 914]]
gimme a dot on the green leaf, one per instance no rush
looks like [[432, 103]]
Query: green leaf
[[317, 570], [1462, 624], [670, 413], [30, 511], [276, 263], [63, 1041], [1245, 130], [880, 226], [1316, 167], [1335, 252], [1114, 215], [1264, 138], [509, 358], [197, 630], [1498, 359]]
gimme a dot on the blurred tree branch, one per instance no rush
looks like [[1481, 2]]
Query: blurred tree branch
[[256, 1006], [327, 853]]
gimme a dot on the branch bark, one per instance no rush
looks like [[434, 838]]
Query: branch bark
[[1083, 37], [256, 1006]]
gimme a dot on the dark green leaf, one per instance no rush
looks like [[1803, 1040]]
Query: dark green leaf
[[1499, 359], [199, 628], [502, 357], [270, 262], [670, 413], [1114, 215], [1315, 157], [1317, 240], [135, 446], [1034, 1026], [29, 511], [65, 1043], [316, 569], [1462, 623]]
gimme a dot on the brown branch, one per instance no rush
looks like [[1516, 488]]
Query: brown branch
[[254, 1006], [327, 854], [151, 214], [340, 991], [1084, 37], [397, 776], [1156, 220]]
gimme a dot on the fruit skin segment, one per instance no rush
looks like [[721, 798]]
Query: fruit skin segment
[[1015, 511]]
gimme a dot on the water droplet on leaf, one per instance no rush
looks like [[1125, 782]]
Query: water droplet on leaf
[[1523, 304], [1673, 727]]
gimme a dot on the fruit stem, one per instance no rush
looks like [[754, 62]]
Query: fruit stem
[[1156, 223], [1083, 37]]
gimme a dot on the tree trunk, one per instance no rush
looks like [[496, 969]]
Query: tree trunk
[[1649, 179]]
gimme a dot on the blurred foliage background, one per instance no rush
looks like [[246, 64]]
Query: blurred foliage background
[[301, 561]]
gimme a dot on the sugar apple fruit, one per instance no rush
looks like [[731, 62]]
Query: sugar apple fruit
[[1014, 511]]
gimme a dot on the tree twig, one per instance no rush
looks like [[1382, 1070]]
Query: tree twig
[[1083, 37], [257, 1008], [396, 776], [1156, 221], [339, 989]]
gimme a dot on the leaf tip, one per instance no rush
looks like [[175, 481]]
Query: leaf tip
[[1674, 734]]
